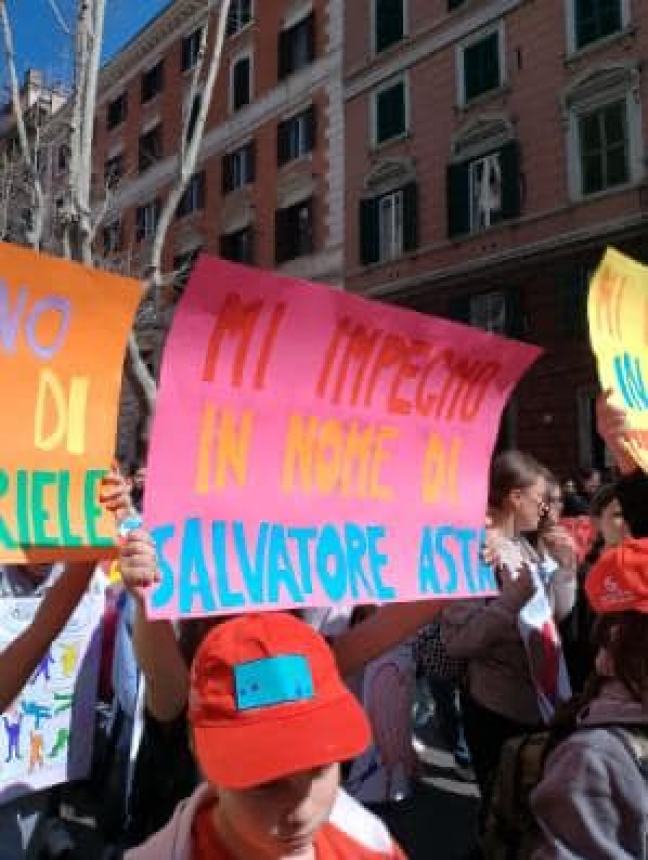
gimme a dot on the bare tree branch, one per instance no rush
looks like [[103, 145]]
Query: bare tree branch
[[60, 20], [189, 154], [89, 35], [187, 159], [35, 229]]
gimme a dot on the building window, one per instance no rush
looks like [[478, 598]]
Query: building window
[[603, 141], [191, 49], [153, 82], [183, 265], [484, 190], [389, 23], [238, 168], [480, 66], [297, 46], [238, 246], [454, 4], [389, 225], [296, 136], [146, 220], [241, 83], [595, 19], [389, 106], [117, 111], [62, 158], [602, 109], [193, 116], [488, 312], [193, 198], [240, 15], [150, 148], [112, 238], [113, 170], [294, 228]]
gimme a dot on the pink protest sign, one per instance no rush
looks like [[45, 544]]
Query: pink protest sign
[[313, 448]]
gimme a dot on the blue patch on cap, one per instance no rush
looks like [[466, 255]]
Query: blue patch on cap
[[273, 681]]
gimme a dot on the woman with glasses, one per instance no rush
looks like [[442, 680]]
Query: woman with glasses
[[515, 671]]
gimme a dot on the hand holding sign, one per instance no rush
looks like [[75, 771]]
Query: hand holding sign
[[618, 323], [613, 426]]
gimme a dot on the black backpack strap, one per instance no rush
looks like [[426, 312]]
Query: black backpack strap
[[635, 742]]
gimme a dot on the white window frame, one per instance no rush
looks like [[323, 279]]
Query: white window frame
[[390, 226], [191, 191], [488, 311], [247, 54], [240, 156], [576, 108], [479, 36], [570, 24], [114, 229], [240, 27], [198, 31], [300, 121], [374, 22], [150, 221], [373, 110]]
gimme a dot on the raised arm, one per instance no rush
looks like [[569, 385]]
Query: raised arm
[[20, 658], [380, 632], [156, 646]]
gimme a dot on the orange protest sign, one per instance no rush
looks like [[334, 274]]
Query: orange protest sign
[[63, 331]]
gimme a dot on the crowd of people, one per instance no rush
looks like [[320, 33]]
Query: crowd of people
[[231, 737]]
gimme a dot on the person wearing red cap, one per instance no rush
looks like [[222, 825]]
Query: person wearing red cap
[[592, 801], [271, 721]]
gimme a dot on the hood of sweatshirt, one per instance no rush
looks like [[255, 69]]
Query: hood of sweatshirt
[[614, 706]]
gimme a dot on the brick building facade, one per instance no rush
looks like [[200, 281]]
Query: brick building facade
[[494, 148], [268, 188]]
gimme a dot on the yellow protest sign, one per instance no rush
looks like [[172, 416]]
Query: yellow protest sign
[[63, 331], [618, 323]]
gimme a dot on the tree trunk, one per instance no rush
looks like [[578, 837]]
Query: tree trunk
[[35, 230]]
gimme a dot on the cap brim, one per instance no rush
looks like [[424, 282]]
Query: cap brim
[[244, 755]]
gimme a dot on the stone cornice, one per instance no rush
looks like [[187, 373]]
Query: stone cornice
[[178, 18], [527, 252]]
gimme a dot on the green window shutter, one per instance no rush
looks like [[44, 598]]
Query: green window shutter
[[481, 67], [514, 317], [390, 112], [309, 24], [284, 55], [458, 199], [311, 126], [283, 142], [458, 309], [510, 165], [389, 23], [227, 181], [410, 217], [369, 239]]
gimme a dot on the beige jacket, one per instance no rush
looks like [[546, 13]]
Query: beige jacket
[[486, 634]]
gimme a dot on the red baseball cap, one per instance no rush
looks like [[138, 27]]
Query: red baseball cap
[[266, 700], [618, 582]]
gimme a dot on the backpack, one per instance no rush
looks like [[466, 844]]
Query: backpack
[[511, 828]]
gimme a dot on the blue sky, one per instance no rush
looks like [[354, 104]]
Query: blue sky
[[41, 43]]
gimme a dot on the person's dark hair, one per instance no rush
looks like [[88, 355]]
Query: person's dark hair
[[625, 636], [603, 497], [512, 470], [632, 492]]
